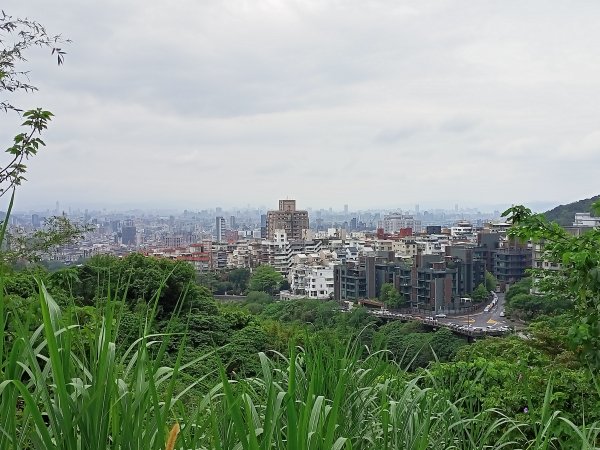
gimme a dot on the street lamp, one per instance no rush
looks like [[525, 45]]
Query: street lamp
[[468, 316]]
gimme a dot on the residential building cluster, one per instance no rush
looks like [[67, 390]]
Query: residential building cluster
[[434, 264], [432, 267]]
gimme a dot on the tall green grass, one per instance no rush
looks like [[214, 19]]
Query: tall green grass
[[59, 392], [56, 393], [320, 400]]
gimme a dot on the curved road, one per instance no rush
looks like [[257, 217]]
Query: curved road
[[482, 323], [491, 319]]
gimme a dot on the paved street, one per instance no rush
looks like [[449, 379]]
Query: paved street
[[482, 319], [483, 323]]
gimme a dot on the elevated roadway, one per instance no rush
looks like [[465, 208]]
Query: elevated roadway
[[484, 323]]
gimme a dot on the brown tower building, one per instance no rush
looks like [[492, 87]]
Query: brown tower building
[[287, 218]]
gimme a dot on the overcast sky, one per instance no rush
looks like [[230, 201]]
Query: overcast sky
[[199, 103]]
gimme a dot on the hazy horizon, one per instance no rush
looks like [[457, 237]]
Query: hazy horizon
[[536, 206]]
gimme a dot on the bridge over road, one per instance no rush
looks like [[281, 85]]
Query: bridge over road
[[486, 323], [466, 330]]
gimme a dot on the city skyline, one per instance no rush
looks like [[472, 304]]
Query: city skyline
[[361, 103], [536, 206], [219, 210]]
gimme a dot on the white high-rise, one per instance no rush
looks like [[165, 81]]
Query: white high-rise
[[220, 227], [392, 223]]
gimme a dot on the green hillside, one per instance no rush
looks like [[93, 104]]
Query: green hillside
[[564, 214]]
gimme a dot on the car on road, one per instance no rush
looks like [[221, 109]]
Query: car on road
[[441, 316], [502, 314]]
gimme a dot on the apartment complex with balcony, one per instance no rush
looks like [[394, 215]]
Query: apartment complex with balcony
[[512, 260], [434, 282]]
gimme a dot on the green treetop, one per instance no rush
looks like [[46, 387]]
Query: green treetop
[[490, 281], [265, 279], [480, 293], [390, 296]]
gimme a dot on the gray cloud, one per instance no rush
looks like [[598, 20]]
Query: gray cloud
[[392, 136], [458, 125], [160, 101]]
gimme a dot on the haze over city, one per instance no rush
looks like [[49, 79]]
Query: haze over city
[[377, 104]]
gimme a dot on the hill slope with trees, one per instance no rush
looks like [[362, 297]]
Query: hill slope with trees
[[564, 214]]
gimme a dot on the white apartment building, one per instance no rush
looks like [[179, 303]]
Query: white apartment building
[[461, 229], [279, 252], [243, 256], [314, 282], [405, 247], [319, 283], [383, 245], [336, 233], [322, 258], [297, 276], [586, 220], [433, 244], [393, 223], [276, 252], [347, 254]]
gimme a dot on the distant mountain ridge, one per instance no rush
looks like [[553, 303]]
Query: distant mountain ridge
[[565, 214]]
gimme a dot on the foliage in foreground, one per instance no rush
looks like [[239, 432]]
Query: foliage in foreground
[[63, 392], [577, 256]]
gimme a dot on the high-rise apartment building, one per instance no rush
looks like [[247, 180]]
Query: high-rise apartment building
[[263, 226], [393, 223], [287, 218], [35, 221], [128, 233], [512, 260], [220, 227]]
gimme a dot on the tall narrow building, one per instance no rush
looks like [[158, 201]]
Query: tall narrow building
[[287, 218], [263, 226], [220, 226], [128, 233]]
